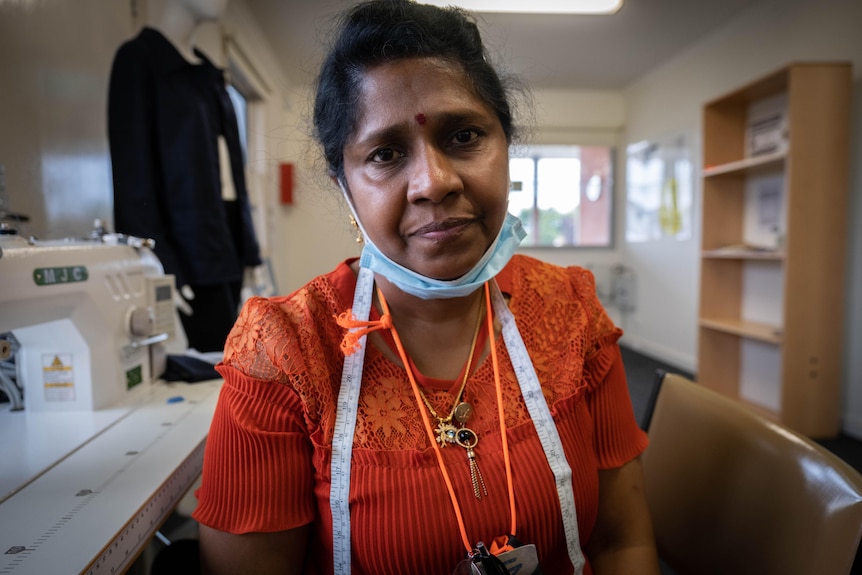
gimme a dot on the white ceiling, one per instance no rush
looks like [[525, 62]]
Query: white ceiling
[[577, 52]]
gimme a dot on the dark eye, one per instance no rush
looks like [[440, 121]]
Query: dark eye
[[384, 155], [465, 136]]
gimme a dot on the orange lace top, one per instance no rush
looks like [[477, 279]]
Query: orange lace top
[[267, 459]]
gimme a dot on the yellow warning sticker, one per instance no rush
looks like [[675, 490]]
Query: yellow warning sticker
[[58, 377]]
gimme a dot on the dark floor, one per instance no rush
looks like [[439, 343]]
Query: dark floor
[[641, 370]]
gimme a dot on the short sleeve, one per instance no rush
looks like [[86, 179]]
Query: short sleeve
[[257, 473], [618, 438], [275, 410], [263, 343]]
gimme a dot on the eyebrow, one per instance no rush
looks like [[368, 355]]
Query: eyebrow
[[452, 118]]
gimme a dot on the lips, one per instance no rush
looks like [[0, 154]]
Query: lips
[[443, 229]]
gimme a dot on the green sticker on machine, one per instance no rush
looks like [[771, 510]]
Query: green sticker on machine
[[134, 376], [60, 275]]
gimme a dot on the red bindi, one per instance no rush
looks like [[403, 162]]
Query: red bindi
[[420, 119]]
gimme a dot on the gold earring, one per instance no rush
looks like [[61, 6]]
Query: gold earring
[[355, 224]]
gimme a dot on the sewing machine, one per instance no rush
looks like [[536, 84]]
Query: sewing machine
[[99, 451], [84, 322]]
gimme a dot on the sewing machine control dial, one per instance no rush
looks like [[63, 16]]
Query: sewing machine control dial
[[141, 321]]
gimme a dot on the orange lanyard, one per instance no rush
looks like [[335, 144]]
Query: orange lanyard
[[429, 430]]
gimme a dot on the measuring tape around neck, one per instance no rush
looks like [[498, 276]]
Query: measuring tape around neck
[[345, 424]]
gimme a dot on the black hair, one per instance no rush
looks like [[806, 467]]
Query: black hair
[[379, 31]]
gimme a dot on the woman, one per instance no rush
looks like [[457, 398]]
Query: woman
[[320, 463]]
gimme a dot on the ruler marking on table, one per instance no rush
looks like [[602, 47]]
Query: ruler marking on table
[[141, 527], [189, 470]]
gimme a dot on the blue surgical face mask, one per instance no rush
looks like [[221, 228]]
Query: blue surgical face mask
[[489, 265], [495, 259]]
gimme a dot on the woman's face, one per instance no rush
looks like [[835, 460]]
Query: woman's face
[[427, 167]]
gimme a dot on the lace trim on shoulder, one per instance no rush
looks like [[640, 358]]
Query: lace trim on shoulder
[[295, 341], [259, 323]]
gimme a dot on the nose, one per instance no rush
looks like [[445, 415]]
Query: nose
[[433, 176]]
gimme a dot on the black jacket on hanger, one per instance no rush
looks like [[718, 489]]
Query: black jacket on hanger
[[164, 118]]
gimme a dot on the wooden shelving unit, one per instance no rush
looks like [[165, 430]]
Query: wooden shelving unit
[[771, 316]]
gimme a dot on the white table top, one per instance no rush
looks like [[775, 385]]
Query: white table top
[[84, 492]]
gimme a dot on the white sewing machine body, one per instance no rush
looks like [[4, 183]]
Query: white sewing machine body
[[88, 319]]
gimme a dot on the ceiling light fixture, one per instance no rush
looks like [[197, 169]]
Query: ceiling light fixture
[[534, 6]]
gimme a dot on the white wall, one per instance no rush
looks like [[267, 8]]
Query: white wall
[[669, 100], [311, 235], [55, 57]]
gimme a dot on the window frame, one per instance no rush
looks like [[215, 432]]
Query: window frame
[[552, 146]]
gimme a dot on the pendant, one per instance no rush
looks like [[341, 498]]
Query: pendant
[[446, 433], [468, 439], [462, 412]]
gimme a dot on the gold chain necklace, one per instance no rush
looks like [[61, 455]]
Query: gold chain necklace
[[461, 412]]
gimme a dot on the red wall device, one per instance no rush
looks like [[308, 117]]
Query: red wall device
[[286, 183]]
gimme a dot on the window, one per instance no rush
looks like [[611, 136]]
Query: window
[[240, 106], [246, 89], [563, 195]]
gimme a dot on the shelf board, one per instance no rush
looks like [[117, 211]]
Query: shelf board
[[743, 254], [752, 330], [746, 165]]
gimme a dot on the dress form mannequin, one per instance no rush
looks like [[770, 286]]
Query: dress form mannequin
[[179, 21], [178, 167]]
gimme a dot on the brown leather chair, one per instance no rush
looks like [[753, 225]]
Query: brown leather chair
[[733, 493]]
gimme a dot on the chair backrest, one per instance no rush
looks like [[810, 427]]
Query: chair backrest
[[731, 492]]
